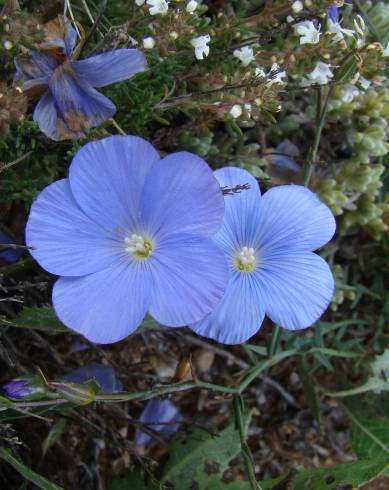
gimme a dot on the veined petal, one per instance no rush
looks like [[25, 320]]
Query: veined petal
[[106, 306], [239, 314], [242, 210], [110, 67], [64, 240], [293, 217], [46, 117], [34, 65], [297, 287], [182, 195], [190, 275], [79, 106], [107, 177]]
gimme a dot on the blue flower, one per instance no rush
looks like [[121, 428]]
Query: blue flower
[[70, 105], [269, 242], [162, 415], [27, 388], [333, 13], [130, 233], [104, 375]]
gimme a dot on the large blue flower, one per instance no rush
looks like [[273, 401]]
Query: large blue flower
[[70, 105], [269, 242], [129, 234]]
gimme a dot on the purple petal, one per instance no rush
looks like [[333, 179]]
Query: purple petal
[[66, 242], [106, 306], [35, 65], [242, 210], [292, 217], [107, 177], [190, 275], [60, 37], [164, 417], [181, 194], [110, 67], [333, 13], [296, 288], [239, 314], [104, 375], [79, 107], [9, 255]]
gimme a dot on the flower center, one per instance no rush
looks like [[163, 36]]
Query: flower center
[[245, 260], [138, 246]]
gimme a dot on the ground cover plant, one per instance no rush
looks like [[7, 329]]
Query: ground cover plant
[[194, 216]]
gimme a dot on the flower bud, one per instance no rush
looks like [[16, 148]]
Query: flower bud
[[26, 388], [77, 393]]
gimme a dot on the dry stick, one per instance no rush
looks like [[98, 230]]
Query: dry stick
[[6, 166]]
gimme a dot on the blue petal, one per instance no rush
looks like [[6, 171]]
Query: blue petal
[[79, 106], [60, 37], [110, 67], [242, 210], [106, 306], [46, 117], [292, 217], [9, 255], [333, 13], [190, 275], [239, 314], [296, 288], [164, 417], [66, 242], [104, 375], [107, 177], [35, 65], [181, 194]]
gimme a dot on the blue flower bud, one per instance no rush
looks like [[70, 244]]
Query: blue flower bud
[[26, 388]]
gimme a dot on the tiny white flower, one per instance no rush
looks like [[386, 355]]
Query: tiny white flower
[[276, 75], [200, 45], [245, 55], [321, 74], [363, 82], [386, 51], [290, 19], [148, 42], [140, 2], [236, 111], [260, 72], [307, 32], [248, 108], [8, 45], [191, 6], [337, 30], [349, 93], [158, 7], [297, 7], [174, 35]]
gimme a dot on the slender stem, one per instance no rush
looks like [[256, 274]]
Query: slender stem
[[120, 130], [248, 457], [311, 160], [6, 166], [275, 341]]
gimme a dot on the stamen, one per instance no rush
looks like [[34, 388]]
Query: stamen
[[138, 246], [245, 260]]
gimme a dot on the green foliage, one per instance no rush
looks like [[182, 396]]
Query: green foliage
[[351, 474], [43, 318], [370, 438]]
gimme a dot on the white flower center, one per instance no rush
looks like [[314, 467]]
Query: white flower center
[[138, 246], [245, 260]]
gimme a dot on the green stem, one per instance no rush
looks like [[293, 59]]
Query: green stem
[[248, 457], [311, 160], [275, 340]]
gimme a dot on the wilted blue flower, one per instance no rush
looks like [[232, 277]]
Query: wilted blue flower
[[130, 234], [9, 255], [104, 375], [27, 387], [283, 156], [269, 242], [70, 105], [162, 415]]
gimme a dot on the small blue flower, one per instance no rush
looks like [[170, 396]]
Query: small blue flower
[[9, 255], [269, 242], [104, 375], [162, 415], [27, 388], [283, 156], [70, 105], [130, 233], [333, 13]]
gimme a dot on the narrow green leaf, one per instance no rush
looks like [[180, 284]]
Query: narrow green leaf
[[26, 472], [353, 474], [43, 318], [53, 435]]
